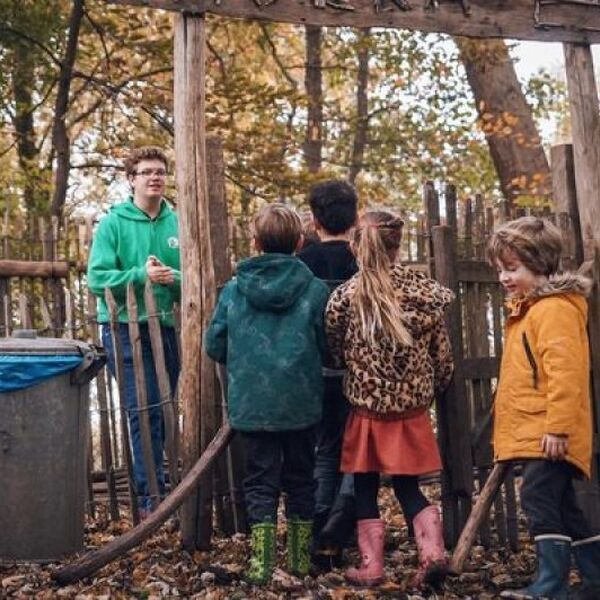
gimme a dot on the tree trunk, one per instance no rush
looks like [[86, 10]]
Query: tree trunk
[[506, 118], [23, 77], [362, 105], [60, 138], [313, 146]]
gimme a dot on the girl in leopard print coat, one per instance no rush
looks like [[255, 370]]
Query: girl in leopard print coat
[[385, 325]]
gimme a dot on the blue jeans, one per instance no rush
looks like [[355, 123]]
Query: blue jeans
[[154, 400], [330, 433]]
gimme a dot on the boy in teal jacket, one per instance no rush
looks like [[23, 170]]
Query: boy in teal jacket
[[138, 242], [268, 329]]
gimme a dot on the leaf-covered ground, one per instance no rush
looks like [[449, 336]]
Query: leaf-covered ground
[[160, 568]]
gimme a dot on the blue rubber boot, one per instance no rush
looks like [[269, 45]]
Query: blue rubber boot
[[587, 559], [552, 577]]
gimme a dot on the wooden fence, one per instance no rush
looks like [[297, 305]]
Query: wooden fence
[[42, 285]]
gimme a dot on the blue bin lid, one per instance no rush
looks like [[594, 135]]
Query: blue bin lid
[[25, 362]]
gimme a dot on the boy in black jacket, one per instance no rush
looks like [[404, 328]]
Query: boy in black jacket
[[333, 204]]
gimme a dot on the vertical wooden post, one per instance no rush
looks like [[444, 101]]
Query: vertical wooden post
[[564, 196], [107, 455], [120, 377], [142, 397], [230, 467], [453, 409], [585, 125], [169, 410], [197, 380]]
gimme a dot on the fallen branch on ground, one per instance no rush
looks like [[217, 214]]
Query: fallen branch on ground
[[92, 561]]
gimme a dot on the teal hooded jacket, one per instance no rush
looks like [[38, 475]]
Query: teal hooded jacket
[[124, 240], [268, 328]]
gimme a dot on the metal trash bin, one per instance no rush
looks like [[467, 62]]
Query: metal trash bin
[[44, 403]]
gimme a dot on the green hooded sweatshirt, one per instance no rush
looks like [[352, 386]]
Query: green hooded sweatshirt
[[268, 328], [124, 240]]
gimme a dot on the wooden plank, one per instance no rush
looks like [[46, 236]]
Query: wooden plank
[[564, 195], [453, 409], [585, 123], [451, 215], [113, 312], [475, 271], [515, 19], [107, 455], [142, 396], [468, 232], [25, 268], [169, 409]]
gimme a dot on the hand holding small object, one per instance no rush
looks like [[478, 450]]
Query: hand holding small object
[[159, 273]]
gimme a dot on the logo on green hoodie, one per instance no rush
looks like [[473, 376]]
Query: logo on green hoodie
[[173, 242]]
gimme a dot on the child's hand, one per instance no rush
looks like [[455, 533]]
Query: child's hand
[[555, 446]]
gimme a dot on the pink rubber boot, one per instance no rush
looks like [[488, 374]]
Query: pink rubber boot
[[433, 565], [370, 544]]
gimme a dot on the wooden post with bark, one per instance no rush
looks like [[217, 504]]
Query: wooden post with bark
[[229, 471], [585, 120], [313, 82], [564, 196], [197, 381]]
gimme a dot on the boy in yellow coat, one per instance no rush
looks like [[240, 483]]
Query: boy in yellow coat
[[542, 408]]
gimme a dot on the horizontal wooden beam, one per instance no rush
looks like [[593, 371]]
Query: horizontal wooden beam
[[543, 20], [27, 268], [475, 271]]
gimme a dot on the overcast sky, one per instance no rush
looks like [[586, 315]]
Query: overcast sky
[[534, 55]]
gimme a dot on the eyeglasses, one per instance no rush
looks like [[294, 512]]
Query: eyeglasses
[[151, 172]]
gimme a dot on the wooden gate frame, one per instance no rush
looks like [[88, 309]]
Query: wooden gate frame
[[576, 23]]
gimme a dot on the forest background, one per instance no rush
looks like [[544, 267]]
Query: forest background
[[81, 82]]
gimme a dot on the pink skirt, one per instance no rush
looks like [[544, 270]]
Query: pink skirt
[[405, 446]]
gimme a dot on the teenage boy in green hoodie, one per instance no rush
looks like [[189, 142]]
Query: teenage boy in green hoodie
[[137, 242], [268, 329]]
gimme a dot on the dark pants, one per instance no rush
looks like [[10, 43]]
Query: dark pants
[[548, 500], [153, 397], [276, 462], [330, 434], [406, 488]]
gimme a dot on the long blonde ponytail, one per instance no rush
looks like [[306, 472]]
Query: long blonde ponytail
[[375, 299]]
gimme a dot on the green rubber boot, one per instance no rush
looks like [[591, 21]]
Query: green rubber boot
[[299, 537], [262, 560]]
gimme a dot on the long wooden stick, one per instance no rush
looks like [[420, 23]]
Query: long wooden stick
[[115, 333], [92, 561], [478, 514], [142, 398]]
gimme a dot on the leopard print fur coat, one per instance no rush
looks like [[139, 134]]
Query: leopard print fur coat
[[386, 379]]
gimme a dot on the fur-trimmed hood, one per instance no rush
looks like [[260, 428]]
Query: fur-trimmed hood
[[575, 285], [570, 282]]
